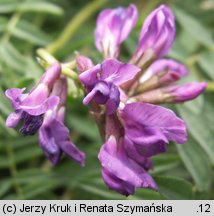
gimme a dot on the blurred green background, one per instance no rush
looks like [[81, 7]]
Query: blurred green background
[[64, 26]]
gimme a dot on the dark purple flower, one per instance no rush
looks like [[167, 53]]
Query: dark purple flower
[[156, 37], [102, 82], [151, 127], [33, 105], [113, 27], [54, 136], [121, 173]]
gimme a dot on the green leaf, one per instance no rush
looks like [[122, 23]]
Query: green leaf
[[4, 163], [206, 60], [174, 188], [195, 160], [40, 187], [41, 7], [24, 142], [200, 125], [164, 163], [21, 155], [11, 56], [194, 27], [146, 194], [3, 23], [5, 187], [4, 105], [27, 154], [8, 6], [85, 126], [196, 105], [33, 70], [98, 188], [31, 33], [4, 129], [32, 175]]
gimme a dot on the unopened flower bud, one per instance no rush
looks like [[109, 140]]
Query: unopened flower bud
[[172, 94], [83, 63], [161, 72], [113, 27], [157, 36], [185, 92]]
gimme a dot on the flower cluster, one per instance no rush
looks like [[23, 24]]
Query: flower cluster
[[123, 95], [43, 110], [123, 98]]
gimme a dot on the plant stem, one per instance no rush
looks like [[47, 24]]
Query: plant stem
[[74, 24], [45, 55], [49, 60], [210, 87]]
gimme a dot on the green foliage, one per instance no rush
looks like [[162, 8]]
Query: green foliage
[[184, 172]]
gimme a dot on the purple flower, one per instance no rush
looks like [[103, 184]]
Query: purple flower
[[121, 173], [156, 37], [102, 82], [162, 72], [83, 63], [173, 70], [136, 156], [113, 27], [54, 136], [172, 94], [33, 105], [151, 127], [185, 92]]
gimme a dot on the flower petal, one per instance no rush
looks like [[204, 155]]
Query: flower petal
[[157, 34], [49, 145], [117, 184], [37, 96], [31, 124], [100, 94], [167, 71], [83, 63], [113, 101], [39, 109], [13, 119], [72, 151], [113, 158], [154, 121], [14, 93], [118, 72], [55, 138], [90, 76], [113, 27], [16, 96], [51, 75], [62, 138], [136, 156], [185, 92]]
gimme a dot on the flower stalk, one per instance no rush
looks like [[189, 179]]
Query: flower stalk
[[46, 60]]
